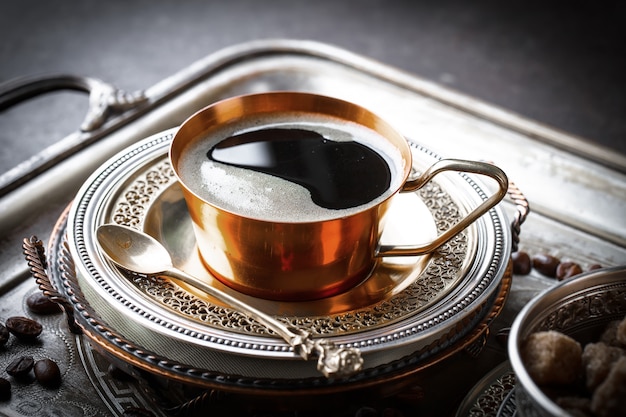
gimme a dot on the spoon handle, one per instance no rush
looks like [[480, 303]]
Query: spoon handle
[[332, 360]]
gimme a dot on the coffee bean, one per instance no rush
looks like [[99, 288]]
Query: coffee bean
[[47, 373], [595, 266], [38, 303], [4, 335], [546, 264], [567, 270], [521, 263], [24, 328], [20, 367], [5, 389]]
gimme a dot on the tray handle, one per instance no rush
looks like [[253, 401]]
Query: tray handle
[[105, 101], [522, 210], [103, 97], [521, 213], [34, 253]]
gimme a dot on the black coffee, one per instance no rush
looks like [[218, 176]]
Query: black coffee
[[292, 167], [339, 175]]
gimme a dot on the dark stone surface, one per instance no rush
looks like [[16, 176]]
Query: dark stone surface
[[561, 63]]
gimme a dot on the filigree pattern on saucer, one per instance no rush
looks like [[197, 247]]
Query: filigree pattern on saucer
[[443, 269]]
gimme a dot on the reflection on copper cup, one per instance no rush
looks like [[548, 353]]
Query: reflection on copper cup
[[314, 258]]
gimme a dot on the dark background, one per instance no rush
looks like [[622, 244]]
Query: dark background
[[559, 63]]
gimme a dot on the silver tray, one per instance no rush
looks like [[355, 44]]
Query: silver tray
[[576, 189], [427, 306]]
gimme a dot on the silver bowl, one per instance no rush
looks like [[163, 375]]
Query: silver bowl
[[580, 307]]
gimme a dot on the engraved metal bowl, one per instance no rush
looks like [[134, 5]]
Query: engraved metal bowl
[[580, 307]]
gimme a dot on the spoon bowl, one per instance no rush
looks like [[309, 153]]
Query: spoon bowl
[[138, 252]]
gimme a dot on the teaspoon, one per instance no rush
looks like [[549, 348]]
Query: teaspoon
[[139, 252]]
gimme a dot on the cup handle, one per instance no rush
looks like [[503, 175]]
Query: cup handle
[[474, 167]]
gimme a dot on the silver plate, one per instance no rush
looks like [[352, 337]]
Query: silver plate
[[438, 324]]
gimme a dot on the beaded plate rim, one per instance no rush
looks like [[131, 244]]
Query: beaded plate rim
[[487, 280]]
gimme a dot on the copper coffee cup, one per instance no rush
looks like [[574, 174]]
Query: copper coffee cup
[[304, 260]]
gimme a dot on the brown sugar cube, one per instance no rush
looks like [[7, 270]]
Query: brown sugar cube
[[609, 335], [609, 399], [552, 358], [597, 361], [615, 333]]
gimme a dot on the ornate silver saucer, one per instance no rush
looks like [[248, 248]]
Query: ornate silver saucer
[[406, 315]]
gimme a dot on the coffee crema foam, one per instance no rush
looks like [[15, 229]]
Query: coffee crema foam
[[263, 196]]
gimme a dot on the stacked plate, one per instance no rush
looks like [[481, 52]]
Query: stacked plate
[[408, 314]]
